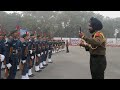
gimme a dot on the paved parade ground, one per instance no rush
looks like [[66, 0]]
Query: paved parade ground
[[75, 65]]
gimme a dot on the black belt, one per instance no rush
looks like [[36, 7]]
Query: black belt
[[94, 55], [15, 51]]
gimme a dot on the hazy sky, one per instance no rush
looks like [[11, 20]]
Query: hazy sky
[[111, 14]]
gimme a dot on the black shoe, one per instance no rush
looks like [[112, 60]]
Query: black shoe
[[42, 68], [38, 71], [45, 65], [31, 75], [50, 62]]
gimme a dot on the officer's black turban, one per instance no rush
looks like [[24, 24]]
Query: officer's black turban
[[96, 24]]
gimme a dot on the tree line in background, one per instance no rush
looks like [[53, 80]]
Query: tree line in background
[[57, 23]]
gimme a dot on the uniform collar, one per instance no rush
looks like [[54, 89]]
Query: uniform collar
[[94, 33]]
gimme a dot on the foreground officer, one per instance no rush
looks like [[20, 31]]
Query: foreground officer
[[96, 46]]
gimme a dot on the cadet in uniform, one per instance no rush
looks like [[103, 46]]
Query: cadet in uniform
[[53, 43], [7, 55], [3, 40], [46, 48], [14, 44], [97, 48], [44, 51], [25, 57], [19, 53], [41, 52], [2, 51], [31, 48], [38, 54], [50, 47]]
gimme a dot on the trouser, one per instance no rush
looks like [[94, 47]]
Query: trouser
[[37, 60], [49, 54], [46, 54], [24, 71], [43, 56], [97, 66], [27, 63], [31, 61], [0, 69], [24, 65], [19, 57], [13, 69], [67, 50]]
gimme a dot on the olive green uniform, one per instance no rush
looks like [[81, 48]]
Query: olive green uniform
[[97, 48]]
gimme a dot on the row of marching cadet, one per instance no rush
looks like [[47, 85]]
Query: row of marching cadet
[[27, 53]]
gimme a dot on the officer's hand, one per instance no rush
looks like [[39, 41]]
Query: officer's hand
[[83, 43], [81, 35], [9, 66]]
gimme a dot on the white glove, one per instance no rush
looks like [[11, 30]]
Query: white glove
[[30, 51], [38, 55], [24, 61], [9, 66], [32, 57], [2, 57], [41, 53], [49, 50], [86, 44]]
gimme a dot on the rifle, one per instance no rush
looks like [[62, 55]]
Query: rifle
[[11, 50], [6, 69], [80, 31]]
